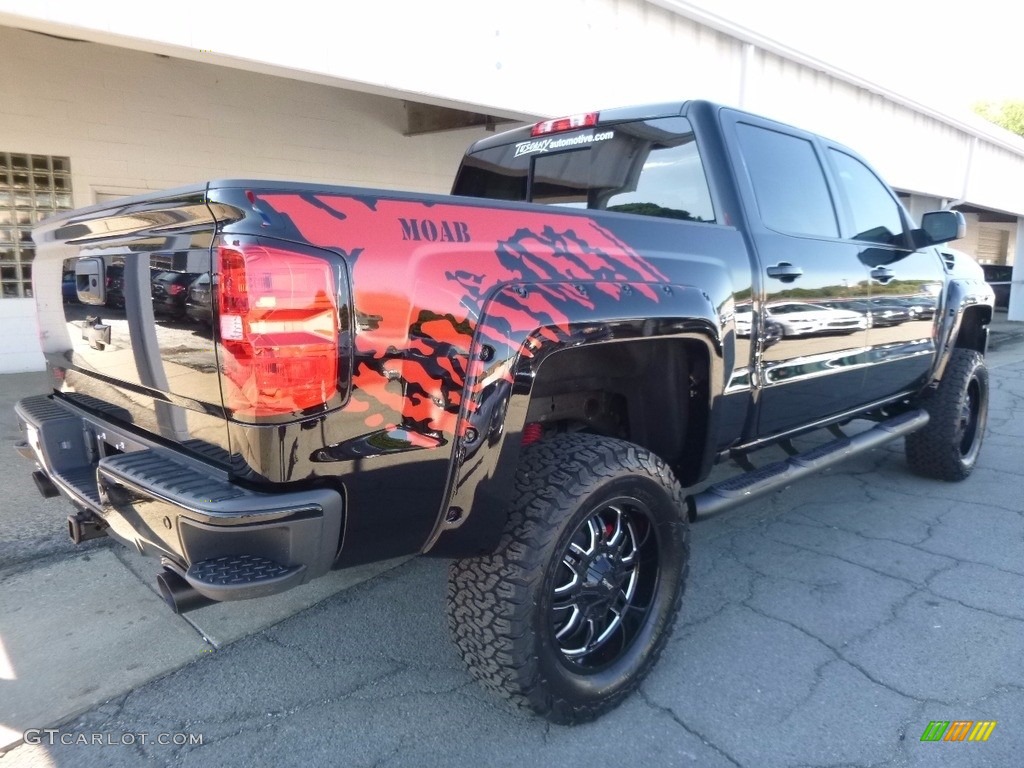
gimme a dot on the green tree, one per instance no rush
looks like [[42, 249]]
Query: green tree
[[1008, 114]]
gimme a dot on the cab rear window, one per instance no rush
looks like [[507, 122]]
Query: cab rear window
[[649, 168]]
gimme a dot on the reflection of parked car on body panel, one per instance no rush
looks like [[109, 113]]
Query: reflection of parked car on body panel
[[881, 313], [115, 286], [920, 307], [170, 290], [199, 301], [884, 312], [69, 288], [744, 316], [800, 319]]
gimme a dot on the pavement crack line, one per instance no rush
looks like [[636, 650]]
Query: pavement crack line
[[928, 588], [686, 629], [252, 721], [819, 678], [891, 618], [384, 759], [692, 731], [813, 522], [839, 655], [916, 546], [279, 643], [854, 563]]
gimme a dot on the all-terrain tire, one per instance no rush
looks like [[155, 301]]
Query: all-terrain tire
[[597, 531], [948, 447]]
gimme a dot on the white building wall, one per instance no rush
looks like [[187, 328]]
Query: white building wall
[[538, 57], [132, 121], [969, 244], [1015, 311], [137, 121], [274, 95], [19, 342], [997, 180], [911, 151]]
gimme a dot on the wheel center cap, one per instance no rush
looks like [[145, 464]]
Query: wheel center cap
[[601, 575]]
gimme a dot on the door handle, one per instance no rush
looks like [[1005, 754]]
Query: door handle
[[882, 274], [785, 272]]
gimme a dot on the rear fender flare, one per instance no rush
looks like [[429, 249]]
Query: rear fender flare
[[505, 361]]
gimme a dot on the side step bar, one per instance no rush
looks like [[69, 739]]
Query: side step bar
[[743, 488]]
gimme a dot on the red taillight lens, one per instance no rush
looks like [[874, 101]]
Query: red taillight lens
[[174, 289], [560, 124], [279, 327]]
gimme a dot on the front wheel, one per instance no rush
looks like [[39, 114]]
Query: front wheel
[[948, 447], [574, 608]]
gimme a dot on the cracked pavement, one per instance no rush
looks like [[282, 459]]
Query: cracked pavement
[[824, 626]]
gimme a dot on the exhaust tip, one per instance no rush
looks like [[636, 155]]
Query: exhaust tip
[[179, 594]]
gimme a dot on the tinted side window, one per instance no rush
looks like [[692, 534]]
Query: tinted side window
[[789, 185], [875, 215]]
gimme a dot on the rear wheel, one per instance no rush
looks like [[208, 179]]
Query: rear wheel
[[948, 447], [574, 608]]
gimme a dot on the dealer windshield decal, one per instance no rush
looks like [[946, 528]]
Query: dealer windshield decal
[[546, 145]]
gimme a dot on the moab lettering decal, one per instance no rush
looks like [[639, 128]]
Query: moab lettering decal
[[418, 308], [431, 231]]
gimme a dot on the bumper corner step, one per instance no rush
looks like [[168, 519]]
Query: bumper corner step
[[240, 577]]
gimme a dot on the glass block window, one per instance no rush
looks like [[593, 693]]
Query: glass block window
[[32, 187]]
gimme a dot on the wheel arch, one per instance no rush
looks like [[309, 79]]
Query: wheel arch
[[652, 392], [973, 330], [967, 312], [498, 406]]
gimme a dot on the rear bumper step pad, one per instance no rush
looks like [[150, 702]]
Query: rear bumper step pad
[[229, 542], [225, 578]]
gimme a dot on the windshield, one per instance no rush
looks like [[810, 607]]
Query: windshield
[[647, 168]]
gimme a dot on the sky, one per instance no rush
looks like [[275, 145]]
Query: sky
[[942, 53]]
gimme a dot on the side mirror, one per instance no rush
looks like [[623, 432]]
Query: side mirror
[[940, 227]]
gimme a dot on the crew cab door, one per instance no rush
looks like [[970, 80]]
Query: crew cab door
[[810, 349], [902, 347]]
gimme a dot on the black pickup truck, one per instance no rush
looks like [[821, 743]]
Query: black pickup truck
[[533, 377]]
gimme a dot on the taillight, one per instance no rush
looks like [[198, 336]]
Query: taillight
[[174, 289], [279, 325], [560, 124]]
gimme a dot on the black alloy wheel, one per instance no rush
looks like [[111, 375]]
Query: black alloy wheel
[[947, 448], [602, 593], [573, 609]]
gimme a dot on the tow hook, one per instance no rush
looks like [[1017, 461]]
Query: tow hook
[[83, 527]]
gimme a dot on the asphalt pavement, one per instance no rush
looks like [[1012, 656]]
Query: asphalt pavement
[[825, 625]]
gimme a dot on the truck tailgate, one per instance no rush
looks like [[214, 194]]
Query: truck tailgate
[[111, 284]]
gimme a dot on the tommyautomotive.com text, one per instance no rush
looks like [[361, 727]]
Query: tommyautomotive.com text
[[52, 737]]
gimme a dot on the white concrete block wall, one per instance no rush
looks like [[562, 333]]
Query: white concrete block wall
[[1015, 310], [137, 121], [19, 341], [133, 121]]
